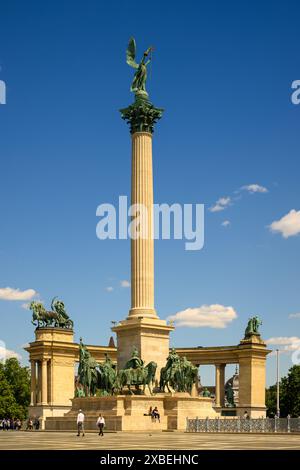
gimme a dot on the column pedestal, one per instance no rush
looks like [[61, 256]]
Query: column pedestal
[[151, 338], [252, 377]]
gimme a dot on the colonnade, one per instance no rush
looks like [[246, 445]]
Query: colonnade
[[40, 382]]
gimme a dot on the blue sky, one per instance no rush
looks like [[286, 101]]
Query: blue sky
[[223, 73]]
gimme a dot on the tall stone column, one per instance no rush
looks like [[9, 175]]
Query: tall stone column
[[220, 383], [33, 383], [142, 244], [44, 382], [142, 329]]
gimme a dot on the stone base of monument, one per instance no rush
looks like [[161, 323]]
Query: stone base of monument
[[42, 412], [127, 413]]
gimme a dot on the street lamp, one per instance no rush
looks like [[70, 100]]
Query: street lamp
[[277, 391]]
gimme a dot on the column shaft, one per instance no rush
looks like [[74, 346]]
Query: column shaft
[[44, 382], [33, 383], [49, 381], [220, 385], [142, 248], [39, 384]]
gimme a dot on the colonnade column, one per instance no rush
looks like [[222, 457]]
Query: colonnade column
[[220, 385], [33, 383], [44, 387], [39, 382]]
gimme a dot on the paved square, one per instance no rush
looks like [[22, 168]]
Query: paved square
[[12, 440]]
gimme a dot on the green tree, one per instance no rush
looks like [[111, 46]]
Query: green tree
[[14, 389], [289, 394], [271, 401], [8, 405]]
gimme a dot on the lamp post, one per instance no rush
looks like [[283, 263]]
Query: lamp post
[[277, 391]]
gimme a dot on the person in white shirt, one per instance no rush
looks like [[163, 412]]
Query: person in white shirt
[[101, 424], [80, 423]]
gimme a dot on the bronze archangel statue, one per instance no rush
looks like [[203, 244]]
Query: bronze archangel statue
[[138, 85]]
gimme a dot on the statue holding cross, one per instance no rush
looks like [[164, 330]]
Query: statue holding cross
[[138, 85]]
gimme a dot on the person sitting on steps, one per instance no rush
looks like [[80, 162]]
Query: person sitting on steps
[[155, 414]]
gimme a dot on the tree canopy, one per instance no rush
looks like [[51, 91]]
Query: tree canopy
[[14, 389], [289, 394]]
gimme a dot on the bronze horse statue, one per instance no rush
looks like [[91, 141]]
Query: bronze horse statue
[[140, 376], [179, 374]]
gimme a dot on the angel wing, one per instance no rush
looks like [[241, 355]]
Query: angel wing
[[130, 54]]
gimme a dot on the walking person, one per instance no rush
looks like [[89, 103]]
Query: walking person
[[29, 425], [36, 423], [80, 423], [101, 424]]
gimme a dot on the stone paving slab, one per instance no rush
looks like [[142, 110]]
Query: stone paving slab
[[13, 440]]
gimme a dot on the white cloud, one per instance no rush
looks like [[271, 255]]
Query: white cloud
[[125, 283], [26, 305], [109, 289], [288, 225], [294, 315], [254, 188], [7, 293], [225, 223], [212, 316], [7, 353], [289, 343], [221, 204]]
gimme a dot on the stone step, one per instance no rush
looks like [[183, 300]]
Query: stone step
[[113, 423]]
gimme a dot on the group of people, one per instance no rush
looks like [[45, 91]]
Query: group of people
[[13, 424], [100, 423], [154, 413], [32, 424]]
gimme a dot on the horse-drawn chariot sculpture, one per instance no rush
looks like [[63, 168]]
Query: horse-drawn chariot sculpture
[[57, 317]]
